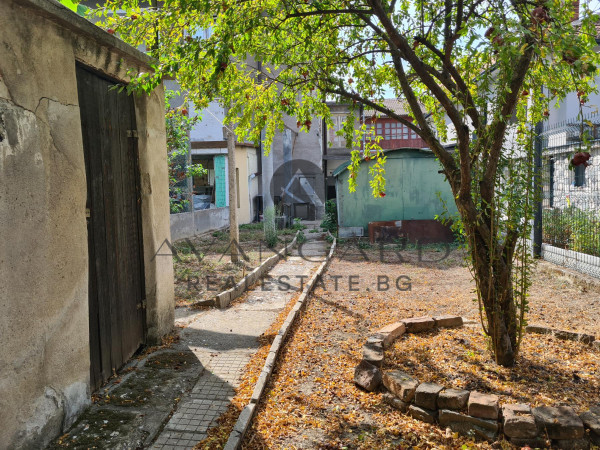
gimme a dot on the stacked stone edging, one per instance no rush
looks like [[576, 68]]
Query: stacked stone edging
[[584, 338], [471, 413]]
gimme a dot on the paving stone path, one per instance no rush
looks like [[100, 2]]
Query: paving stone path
[[225, 340]]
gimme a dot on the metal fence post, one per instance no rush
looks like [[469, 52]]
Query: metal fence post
[[537, 188]]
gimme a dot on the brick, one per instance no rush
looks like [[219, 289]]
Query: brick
[[448, 321], [426, 395], [484, 406], [559, 422], [453, 399], [538, 329], [376, 338], [572, 336], [422, 414], [571, 444], [238, 289], [468, 425], [418, 324], [373, 351], [518, 421], [400, 384], [391, 332], [367, 376], [223, 299], [395, 402], [539, 442], [591, 419]]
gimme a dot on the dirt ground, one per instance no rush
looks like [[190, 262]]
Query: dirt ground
[[312, 402], [203, 268]]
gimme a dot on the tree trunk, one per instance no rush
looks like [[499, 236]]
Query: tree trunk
[[234, 233], [494, 282]]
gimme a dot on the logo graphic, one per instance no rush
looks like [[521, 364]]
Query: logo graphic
[[295, 185]]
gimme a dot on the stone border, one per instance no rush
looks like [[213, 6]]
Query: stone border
[[584, 338], [245, 418], [472, 413], [223, 299]]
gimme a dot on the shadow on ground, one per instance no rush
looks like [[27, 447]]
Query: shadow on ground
[[131, 409]]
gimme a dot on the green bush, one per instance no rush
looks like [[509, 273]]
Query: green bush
[[330, 222], [572, 228], [301, 237], [269, 227], [251, 226], [221, 235], [298, 224]]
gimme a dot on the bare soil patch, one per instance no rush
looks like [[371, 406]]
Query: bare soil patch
[[203, 268], [548, 371], [312, 402]]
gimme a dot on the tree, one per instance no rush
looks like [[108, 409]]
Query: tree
[[484, 71], [178, 126]]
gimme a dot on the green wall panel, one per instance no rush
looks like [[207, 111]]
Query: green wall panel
[[220, 181], [412, 186]]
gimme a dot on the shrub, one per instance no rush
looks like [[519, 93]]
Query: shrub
[[330, 222], [572, 228], [269, 227], [301, 237], [251, 226], [298, 224]]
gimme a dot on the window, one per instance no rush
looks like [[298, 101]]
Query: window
[[394, 131], [338, 124], [580, 175]]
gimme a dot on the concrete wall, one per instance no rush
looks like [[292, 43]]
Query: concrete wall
[[306, 161], [44, 337], [188, 224]]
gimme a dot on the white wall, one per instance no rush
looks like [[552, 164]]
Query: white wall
[[210, 127]]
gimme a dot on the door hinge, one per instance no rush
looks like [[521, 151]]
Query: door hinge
[[141, 305], [132, 133]]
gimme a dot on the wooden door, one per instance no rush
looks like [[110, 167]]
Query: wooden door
[[116, 271]]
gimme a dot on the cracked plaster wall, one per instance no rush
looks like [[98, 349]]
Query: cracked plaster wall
[[44, 337]]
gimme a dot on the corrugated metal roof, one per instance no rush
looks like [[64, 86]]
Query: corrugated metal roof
[[342, 167]]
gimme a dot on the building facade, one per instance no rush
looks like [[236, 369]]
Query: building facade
[[390, 134], [83, 211]]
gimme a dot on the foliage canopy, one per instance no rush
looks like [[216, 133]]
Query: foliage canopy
[[479, 73]]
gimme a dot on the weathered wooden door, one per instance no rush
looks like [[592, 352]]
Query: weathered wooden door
[[116, 271]]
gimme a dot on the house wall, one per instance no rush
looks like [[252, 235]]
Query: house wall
[[44, 337], [412, 187], [568, 108], [210, 127], [564, 192], [411, 139], [253, 179], [305, 153], [243, 206]]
